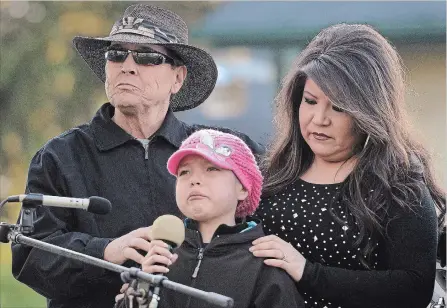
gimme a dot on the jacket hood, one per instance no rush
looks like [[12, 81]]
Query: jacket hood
[[243, 232]]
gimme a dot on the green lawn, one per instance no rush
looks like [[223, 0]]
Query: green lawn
[[14, 294]]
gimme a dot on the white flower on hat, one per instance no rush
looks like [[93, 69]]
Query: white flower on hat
[[221, 152]]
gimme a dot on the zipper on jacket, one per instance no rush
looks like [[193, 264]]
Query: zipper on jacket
[[146, 150], [145, 144], [199, 258]]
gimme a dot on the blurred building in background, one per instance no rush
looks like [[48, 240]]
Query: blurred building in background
[[254, 45]]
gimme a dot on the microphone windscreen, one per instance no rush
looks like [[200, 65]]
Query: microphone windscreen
[[169, 228], [98, 205]]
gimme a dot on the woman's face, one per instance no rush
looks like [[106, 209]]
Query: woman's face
[[326, 129]]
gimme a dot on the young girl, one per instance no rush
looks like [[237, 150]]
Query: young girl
[[218, 186]]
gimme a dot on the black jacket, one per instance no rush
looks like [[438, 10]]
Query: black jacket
[[227, 267], [98, 158], [403, 263]]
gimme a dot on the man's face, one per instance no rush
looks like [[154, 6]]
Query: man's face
[[133, 88]]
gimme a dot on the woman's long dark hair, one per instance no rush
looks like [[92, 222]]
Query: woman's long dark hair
[[362, 74]]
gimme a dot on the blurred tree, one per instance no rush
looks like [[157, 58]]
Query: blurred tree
[[46, 88]]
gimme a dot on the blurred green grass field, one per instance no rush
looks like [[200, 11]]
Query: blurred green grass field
[[14, 294]]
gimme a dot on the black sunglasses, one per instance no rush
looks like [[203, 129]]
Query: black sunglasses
[[140, 57]]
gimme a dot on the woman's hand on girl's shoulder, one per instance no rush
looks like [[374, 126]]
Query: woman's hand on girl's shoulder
[[279, 253]]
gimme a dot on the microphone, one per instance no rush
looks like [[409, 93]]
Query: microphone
[[94, 204], [171, 230]]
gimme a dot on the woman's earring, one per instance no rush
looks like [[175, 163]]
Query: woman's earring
[[366, 142]]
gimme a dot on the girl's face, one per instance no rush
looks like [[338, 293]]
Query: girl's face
[[205, 192]]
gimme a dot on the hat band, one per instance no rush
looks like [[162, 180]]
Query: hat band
[[143, 27]]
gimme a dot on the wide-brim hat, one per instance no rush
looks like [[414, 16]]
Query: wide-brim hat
[[145, 24]]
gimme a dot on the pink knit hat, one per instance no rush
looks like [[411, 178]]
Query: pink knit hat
[[228, 152]]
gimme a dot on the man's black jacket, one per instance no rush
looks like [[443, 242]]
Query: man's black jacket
[[97, 159]]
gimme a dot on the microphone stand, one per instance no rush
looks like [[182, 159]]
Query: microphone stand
[[27, 216], [13, 233], [9, 233]]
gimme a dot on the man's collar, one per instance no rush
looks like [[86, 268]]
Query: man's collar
[[173, 130], [108, 134]]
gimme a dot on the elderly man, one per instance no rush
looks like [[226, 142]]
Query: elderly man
[[150, 71]]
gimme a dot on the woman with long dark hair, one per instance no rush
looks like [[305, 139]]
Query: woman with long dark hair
[[350, 201]]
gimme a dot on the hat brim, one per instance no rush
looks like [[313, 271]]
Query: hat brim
[[177, 157], [200, 79]]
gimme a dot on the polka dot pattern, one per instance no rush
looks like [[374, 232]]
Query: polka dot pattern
[[300, 215]]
